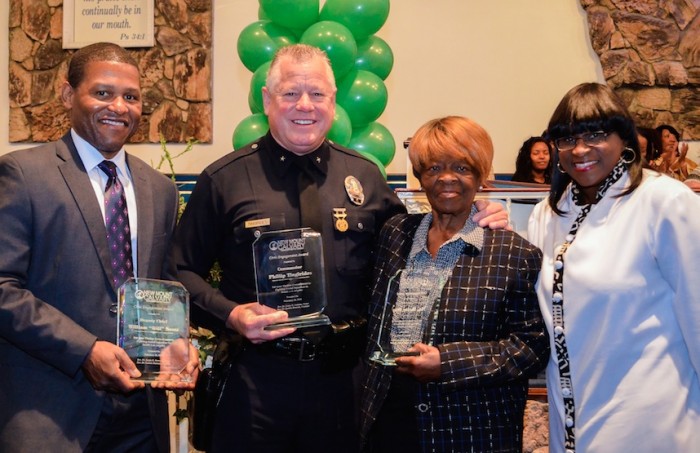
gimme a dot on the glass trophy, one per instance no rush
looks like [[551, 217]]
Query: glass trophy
[[289, 276], [153, 321], [386, 351]]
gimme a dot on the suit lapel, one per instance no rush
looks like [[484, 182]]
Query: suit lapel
[[143, 191], [78, 183]]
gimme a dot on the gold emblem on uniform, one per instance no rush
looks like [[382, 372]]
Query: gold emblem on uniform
[[257, 223], [340, 214], [354, 190]]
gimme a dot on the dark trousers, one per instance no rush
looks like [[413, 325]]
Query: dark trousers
[[396, 428], [126, 425], [272, 403]]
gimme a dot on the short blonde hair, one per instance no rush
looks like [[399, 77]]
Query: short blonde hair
[[298, 53], [452, 136]]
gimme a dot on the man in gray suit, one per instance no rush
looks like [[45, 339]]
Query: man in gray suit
[[64, 383]]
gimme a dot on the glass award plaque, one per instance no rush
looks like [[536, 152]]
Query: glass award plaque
[[153, 321], [289, 276], [386, 351]]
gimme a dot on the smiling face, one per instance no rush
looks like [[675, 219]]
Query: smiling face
[[669, 142], [590, 165], [451, 157], [105, 107], [300, 105], [450, 186], [539, 154]]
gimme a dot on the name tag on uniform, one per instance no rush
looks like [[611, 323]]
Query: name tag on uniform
[[257, 223]]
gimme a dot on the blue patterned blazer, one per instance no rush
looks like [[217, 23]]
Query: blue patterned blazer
[[490, 334]]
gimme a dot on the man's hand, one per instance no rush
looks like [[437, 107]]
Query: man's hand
[[491, 215], [251, 319], [171, 359], [109, 368], [424, 367]]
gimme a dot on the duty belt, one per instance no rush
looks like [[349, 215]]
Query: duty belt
[[345, 339], [296, 348]]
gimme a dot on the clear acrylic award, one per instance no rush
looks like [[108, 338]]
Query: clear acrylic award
[[394, 340], [289, 276], [153, 321]]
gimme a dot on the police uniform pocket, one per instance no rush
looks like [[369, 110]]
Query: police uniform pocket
[[353, 248]]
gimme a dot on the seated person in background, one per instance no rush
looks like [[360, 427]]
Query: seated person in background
[[533, 163], [647, 138], [672, 160], [463, 302]]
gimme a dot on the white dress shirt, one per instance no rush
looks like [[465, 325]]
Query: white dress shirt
[[91, 158]]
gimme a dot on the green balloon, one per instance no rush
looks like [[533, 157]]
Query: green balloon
[[257, 82], [376, 162], [375, 55], [252, 104], [362, 17], [259, 41], [363, 95], [338, 43], [298, 32], [250, 129], [341, 130], [295, 14], [376, 140], [262, 15]]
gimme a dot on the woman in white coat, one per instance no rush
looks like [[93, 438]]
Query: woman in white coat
[[619, 287]]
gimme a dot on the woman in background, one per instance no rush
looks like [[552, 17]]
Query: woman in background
[[647, 138], [619, 288], [672, 161], [533, 163], [460, 296]]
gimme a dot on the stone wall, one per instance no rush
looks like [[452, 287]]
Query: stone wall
[[649, 51], [650, 54], [536, 427], [176, 72]]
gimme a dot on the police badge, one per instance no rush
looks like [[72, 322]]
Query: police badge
[[354, 190]]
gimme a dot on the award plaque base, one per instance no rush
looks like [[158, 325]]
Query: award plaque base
[[389, 358], [301, 322]]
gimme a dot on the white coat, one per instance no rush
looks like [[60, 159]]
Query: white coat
[[631, 317]]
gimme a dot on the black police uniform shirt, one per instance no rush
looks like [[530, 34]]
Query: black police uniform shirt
[[254, 190]]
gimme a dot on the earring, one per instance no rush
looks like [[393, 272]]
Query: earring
[[561, 170], [630, 156]]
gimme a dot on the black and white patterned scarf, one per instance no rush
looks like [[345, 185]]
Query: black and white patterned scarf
[[558, 303]]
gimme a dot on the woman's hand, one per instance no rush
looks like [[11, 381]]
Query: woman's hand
[[424, 367]]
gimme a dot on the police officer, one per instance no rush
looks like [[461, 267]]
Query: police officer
[[288, 389]]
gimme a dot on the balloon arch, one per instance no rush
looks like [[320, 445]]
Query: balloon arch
[[361, 62]]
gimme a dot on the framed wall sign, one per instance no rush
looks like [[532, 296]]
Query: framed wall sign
[[128, 23]]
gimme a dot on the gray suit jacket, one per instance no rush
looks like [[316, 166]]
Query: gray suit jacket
[[56, 291]]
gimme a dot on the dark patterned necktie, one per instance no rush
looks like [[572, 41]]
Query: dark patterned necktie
[[117, 223]]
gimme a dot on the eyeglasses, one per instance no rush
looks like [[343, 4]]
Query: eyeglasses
[[589, 139]]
